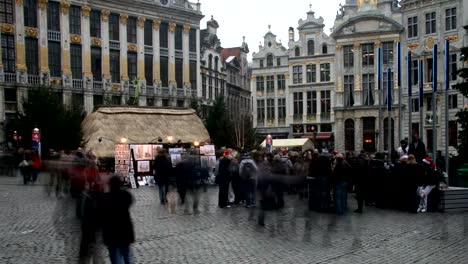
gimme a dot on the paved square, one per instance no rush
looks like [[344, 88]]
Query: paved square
[[35, 228]]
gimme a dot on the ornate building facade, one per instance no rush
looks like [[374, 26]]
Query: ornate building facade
[[100, 52]]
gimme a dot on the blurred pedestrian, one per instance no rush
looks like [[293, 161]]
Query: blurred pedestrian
[[340, 181], [117, 228], [248, 174], [417, 148], [36, 165], [163, 169], [223, 179]]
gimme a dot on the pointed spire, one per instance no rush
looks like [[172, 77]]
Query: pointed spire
[[269, 27]]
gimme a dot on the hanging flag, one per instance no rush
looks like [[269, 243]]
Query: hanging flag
[[399, 64], [389, 89], [420, 83], [409, 74], [447, 65], [379, 69], [434, 68]]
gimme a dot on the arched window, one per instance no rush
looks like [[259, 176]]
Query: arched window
[[216, 63], [349, 135], [310, 47], [210, 62], [324, 49], [297, 52], [269, 60], [386, 133]]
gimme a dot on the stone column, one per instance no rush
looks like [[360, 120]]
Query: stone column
[[377, 45], [65, 43], [44, 72], [338, 100], [123, 57], [106, 76], [141, 61], [319, 107], [339, 135], [1, 69], [199, 81], [21, 71], [358, 134], [185, 58], [86, 51], [171, 48], [357, 74], [156, 56]]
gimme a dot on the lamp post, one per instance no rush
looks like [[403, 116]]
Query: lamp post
[[377, 137], [314, 133]]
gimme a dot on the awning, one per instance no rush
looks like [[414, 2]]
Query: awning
[[319, 136], [303, 143]]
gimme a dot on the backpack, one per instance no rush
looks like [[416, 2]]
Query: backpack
[[248, 171]]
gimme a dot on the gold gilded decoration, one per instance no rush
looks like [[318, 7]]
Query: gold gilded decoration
[[378, 44], [357, 83], [286, 75], [412, 46], [364, 3], [21, 67], [123, 19], [452, 38], [132, 47], [429, 42], [30, 32], [75, 38], [172, 27], [8, 28], [357, 45], [105, 15], [339, 85], [253, 77], [186, 29], [55, 81], [85, 10], [156, 24], [141, 21], [41, 4], [96, 42], [116, 87], [65, 7], [339, 47], [19, 2]]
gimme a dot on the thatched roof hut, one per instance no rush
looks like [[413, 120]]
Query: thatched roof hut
[[140, 125]]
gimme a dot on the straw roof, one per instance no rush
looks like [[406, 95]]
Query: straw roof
[[140, 125]]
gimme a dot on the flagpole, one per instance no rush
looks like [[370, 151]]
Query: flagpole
[[410, 95], [400, 112], [379, 85], [434, 101], [421, 98], [389, 112], [447, 84]]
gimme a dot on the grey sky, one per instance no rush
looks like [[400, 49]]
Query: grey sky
[[250, 18]]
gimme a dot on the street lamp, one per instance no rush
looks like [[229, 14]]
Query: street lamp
[[196, 143], [170, 138], [123, 140]]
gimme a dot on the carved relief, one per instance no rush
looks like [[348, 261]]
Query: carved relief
[[30, 32], [186, 29], [156, 24], [105, 15], [65, 7], [96, 42], [357, 45], [378, 44], [41, 4], [141, 21], [412, 46], [338, 47], [132, 47], [429, 42], [172, 27], [339, 84], [75, 38], [8, 28], [19, 2], [123, 19], [85, 10], [452, 38]]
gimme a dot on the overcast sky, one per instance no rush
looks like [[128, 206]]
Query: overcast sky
[[250, 18]]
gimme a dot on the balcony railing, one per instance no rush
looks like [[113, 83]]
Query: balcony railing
[[97, 86], [325, 116], [180, 92], [165, 91], [312, 117], [192, 55], [179, 54], [114, 44], [271, 122], [53, 35], [148, 49], [194, 93], [34, 79], [77, 84], [149, 91], [281, 122], [297, 117], [10, 77], [131, 90], [260, 123]]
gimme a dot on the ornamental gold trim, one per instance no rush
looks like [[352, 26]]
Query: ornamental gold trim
[[378, 44], [123, 19], [186, 29], [357, 45], [412, 46], [85, 10], [132, 47], [172, 27], [141, 21], [76, 39], [30, 32], [105, 15], [96, 42], [8, 28], [156, 24], [64, 7], [41, 4], [19, 2], [452, 38], [429, 43], [338, 47]]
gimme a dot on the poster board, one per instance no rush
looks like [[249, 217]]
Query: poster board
[[176, 155], [208, 150], [207, 156], [142, 151], [122, 160]]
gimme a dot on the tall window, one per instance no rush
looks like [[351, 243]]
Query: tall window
[[349, 134], [95, 23], [281, 84], [278, 61], [260, 84], [96, 63], [368, 89], [260, 111], [32, 56], [451, 18], [216, 63], [428, 70], [193, 40], [261, 64], [131, 30], [132, 65], [453, 66], [281, 109], [310, 47], [387, 50], [6, 11], [311, 73], [55, 63], [270, 110], [384, 85], [325, 72], [163, 35], [415, 103], [164, 71], [203, 86], [178, 72], [270, 84], [149, 69], [297, 74], [348, 56], [114, 61], [178, 37], [148, 32], [298, 107], [453, 101], [210, 62], [75, 20], [324, 49], [414, 74], [269, 60], [431, 23], [297, 52], [367, 54], [75, 59], [325, 101], [412, 27], [453, 133], [311, 103], [30, 13], [114, 27], [210, 87], [193, 77], [349, 90], [53, 16], [8, 53]]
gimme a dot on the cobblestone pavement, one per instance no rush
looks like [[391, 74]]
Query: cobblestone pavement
[[35, 228]]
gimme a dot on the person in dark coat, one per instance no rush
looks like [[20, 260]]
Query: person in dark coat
[[340, 181], [359, 170], [117, 227], [223, 179], [163, 169], [417, 148]]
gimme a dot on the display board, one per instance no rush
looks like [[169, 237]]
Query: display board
[[176, 155], [122, 161]]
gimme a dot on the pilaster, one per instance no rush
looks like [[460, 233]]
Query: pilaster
[[141, 49], [358, 134], [156, 55], [357, 73], [339, 135], [65, 43], [20, 43], [199, 81], [185, 58], [171, 44], [88, 101], [86, 49], [44, 71], [123, 48], [106, 80]]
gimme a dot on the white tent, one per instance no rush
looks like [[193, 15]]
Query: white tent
[[303, 143]]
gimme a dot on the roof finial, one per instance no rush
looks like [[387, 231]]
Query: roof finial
[[243, 38], [211, 17], [269, 27], [310, 6]]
